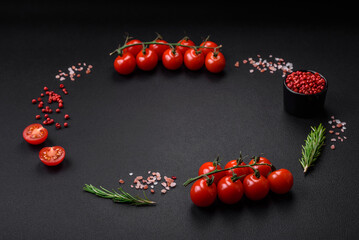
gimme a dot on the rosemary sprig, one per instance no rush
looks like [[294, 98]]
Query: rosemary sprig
[[122, 197], [313, 146]]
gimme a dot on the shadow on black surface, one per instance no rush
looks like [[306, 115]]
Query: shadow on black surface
[[259, 208], [43, 169]]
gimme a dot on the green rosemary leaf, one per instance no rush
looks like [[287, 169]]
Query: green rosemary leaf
[[118, 197], [313, 146]]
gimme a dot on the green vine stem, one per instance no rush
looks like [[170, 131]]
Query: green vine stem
[[190, 180], [120, 48]]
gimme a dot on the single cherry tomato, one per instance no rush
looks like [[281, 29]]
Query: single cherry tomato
[[133, 49], [215, 62], [255, 188], [52, 156], [186, 42], [229, 192], [159, 49], [263, 169], [203, 195], [193, 60], [209, 167], [238, 171], [172, 59], [147, 60], [280, 181], [211, 44], [125, 63], [35, 134]]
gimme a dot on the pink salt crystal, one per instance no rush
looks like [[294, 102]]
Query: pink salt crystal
[[163, 191]]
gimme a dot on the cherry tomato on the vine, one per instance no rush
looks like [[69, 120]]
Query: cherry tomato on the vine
[[229, 192], [203, 195], [238, 171], [209, 167], [133, 49], [172, 59], [159, 49], [35, 134], [263, 169], [255, 188], [193, 59], [52, 156], [186, 42], [208, 44], [125, 63], [280, 181], [147, 59], [215, 62]]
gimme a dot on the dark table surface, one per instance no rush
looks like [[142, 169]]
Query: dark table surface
[[172, 122]]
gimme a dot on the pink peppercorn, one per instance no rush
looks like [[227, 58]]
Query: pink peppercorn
[[305, 82]]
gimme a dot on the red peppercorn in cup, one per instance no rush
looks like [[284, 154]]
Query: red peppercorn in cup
[[304, 93], [305, 82]]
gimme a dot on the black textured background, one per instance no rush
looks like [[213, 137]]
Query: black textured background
[[172, 122]]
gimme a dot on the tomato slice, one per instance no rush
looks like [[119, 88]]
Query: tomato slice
[[52, 156], [35, 134]]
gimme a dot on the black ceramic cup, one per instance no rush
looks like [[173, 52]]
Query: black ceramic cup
[[304, 105]]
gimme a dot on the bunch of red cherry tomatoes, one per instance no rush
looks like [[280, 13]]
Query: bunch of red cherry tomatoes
[[229, 186], [36, 134], [146, 55]]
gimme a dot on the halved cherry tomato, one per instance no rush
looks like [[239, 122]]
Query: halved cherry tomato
[[125, 63], [280, 181], [133, 49], [172, 59], [215, 62], [193, 60], [186, 42], [159, 49], [229, 192], [209, 167], [238, 171], [147, 60], [52, 156], [263, 169], [208, 44], [203, 195], [35, 134], [255, 188]]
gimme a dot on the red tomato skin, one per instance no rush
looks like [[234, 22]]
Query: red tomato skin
[[205, 51], [229, 192], [280, 181], [215, 62], [133, 49], [147, 61], [172, 61], [255, 188], [125, 64], [238, 171], [192, 60], [209, 167], [203, 195], [264, 169], [35, 141], [159, 49], [52, 162], [186, 42]]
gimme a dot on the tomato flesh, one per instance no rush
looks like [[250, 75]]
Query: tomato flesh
[[125, 64], [193, 60], [172, 60], [209, 167], [203, 195], [229, 192], [208, 44], [35, 134], [263, 169], [52, 156], [215, 62], [280, 181], [244, 171], [147, 60], [255, 188]]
